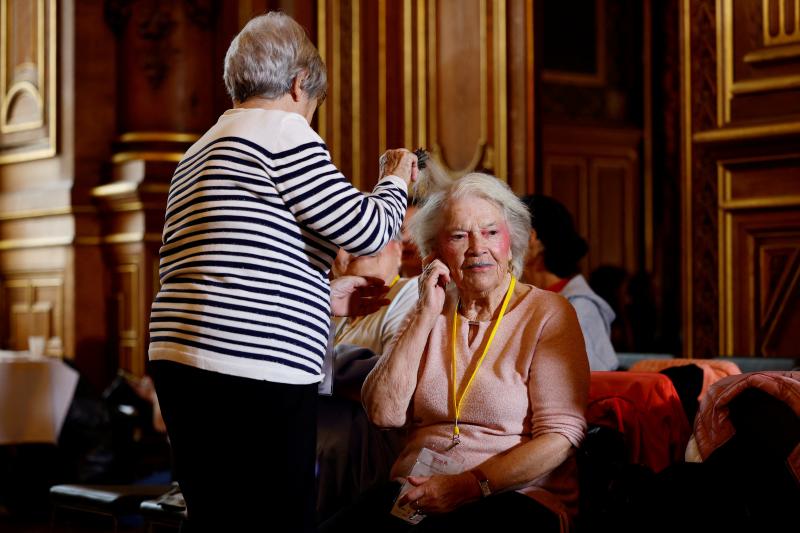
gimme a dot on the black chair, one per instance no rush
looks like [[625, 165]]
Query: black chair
[[113, 501], [167, 511], [157, 517]]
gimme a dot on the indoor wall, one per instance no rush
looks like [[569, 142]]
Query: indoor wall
[[670, 130]]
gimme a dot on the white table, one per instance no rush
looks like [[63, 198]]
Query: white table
[[35, 394]]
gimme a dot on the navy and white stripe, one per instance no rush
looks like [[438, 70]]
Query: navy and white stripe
[[255, 214]]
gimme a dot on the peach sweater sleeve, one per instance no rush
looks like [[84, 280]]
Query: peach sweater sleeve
[[559, 377]]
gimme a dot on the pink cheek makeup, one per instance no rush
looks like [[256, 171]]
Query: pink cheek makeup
[[505, 238]]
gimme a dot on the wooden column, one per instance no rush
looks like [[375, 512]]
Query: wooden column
[[170, 90]]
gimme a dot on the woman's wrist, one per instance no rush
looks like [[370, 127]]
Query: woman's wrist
[[470, 487]]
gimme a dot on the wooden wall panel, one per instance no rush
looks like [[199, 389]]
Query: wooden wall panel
[[138, 81], [760, 41], [34, 305], [460, 132], [760, 246], [614, 233], [741, 177], [27, 79], [431, 73], [595, 173]]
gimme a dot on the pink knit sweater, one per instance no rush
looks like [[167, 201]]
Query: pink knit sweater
[[534, 380]]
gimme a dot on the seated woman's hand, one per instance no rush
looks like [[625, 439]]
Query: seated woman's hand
[[399, 162], [441, 494], [432, 282]]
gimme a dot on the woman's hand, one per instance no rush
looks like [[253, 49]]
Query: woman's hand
[[356, 295], [401, 163], [441, 494], [432, 283]]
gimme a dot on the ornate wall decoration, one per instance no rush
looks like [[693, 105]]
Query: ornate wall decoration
[[202, 13], [154, 24], [780, 27], [116, 14], [27, 80], [155, 28]]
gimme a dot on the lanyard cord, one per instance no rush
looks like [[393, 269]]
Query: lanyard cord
[[458, 402]]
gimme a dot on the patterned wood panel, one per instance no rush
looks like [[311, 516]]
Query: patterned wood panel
[[699, 184], [760, 247], [741, 177], [764, 283]]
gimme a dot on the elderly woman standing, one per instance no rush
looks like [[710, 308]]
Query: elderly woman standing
[[488, 371], [256, 212]]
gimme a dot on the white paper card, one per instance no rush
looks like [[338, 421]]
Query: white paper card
[[428, 463]]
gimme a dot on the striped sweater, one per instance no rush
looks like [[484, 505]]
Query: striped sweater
[[255, 214]]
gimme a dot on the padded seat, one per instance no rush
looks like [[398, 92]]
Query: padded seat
[[113, 501]]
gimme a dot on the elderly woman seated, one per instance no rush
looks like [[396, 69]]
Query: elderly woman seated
[[489, 374]]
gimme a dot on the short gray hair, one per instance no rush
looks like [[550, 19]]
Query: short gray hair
[[427, 222], [267, 55]]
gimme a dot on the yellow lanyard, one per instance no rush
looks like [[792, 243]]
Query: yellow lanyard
[[348, 322], [458, 402]]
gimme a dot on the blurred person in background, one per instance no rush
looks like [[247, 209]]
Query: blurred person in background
[[554, 250]]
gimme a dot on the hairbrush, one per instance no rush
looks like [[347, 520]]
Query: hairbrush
[[422, 158]]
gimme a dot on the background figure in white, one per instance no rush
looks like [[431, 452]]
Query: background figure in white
[[352, 454]]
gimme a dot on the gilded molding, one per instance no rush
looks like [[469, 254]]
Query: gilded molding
[[121, 157], [596, 79], [355, 122], [433, 119], [158, 136], [730, 88], [46, 71], [46, 212], [128, 187], [408, 104], [336, 111], [322, 46], [647, 137], [765, 85], [382, 76], [741, 133], [727, 202], [35, 242], [131, 237], [686, 189], [422, 109], [500, 166], [765, 55], [782, 37]]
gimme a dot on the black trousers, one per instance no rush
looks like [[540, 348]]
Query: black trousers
[[508, 511], [243, 449]]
